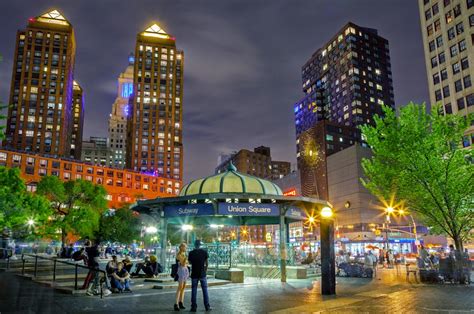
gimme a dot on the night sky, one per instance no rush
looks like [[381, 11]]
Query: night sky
[[242, 61]]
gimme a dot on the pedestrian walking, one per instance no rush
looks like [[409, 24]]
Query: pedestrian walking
[[199, 262], [182, 276], [92, 252]]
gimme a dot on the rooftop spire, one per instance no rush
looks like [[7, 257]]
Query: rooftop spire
[[231, 167], [53, 16], [155, 30]]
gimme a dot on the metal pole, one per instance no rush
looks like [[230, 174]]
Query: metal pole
[[328, 265], [414, 233], [75, 278], [54, 270], [36, 264], [282, 247], [164, 242]]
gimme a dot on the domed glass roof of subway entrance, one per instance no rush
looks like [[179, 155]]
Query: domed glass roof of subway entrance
[[230, 181]]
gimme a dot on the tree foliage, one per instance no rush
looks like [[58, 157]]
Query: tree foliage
[[18, 206], [76, 205], [419, 159], [121, 225]]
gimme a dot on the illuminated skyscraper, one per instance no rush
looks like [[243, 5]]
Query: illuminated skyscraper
[[41, 95], [447, 28], [345, 83], [77, 120], [118, 117], [154, 142]]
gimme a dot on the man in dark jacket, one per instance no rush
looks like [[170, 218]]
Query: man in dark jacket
[[198, 258]]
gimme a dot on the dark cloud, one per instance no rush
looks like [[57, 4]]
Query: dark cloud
[[242, 61]]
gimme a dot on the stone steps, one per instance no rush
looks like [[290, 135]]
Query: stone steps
[[173, 285]]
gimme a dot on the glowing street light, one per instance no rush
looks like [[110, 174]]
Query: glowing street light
[[389, 210], [151, 229], [326, 212], [187, 227], [30, 222]]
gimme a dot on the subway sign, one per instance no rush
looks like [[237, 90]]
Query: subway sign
[[189, 210], [248, 209]]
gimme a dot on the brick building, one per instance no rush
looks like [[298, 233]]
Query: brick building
[[123, 186]]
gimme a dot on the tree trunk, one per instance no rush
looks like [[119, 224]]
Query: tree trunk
[[63, 237], [458, 243]]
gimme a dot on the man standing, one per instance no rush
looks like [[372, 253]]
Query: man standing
[[198, 260]]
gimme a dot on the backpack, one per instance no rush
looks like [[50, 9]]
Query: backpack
[[76, 255]]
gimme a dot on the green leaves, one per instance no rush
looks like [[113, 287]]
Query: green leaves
[[419, 158], [121, 225], [77, 205], [17, 206]]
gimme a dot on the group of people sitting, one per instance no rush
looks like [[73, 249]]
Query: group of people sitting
[[119, 273]]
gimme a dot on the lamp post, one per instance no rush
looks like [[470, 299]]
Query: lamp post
[[187, 229], [389, 210], [328, 260], [402, 212]]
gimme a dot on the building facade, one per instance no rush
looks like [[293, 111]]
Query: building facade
[[118, 116], [154, 141], [447, 27], [316, 144], [123, 186], [258, 163], [96, 151], [77, 121], [345, 83], [360, 218], [40, 117]]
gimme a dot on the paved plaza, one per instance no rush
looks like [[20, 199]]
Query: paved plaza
[[389, 293]]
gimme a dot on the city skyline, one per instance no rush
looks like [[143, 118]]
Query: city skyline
[[251, 84]]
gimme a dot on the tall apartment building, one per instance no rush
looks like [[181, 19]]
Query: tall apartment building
[[41, 95], [447, 27], [118, 117], [154, 142], [77, 120], [258, 163], [345, 83], [96, 151]]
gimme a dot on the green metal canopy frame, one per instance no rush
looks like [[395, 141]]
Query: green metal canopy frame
[[236, 199]]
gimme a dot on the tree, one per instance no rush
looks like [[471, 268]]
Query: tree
[[77, 205], [418, 159], [121, 225], [18, 206]]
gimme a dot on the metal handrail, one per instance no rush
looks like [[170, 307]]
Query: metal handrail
[[9, 253], [55, 261]]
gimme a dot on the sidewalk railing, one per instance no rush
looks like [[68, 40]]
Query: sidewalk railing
[[55, 262], [6, 254]]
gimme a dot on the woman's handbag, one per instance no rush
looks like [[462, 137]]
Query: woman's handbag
[[174, 271]]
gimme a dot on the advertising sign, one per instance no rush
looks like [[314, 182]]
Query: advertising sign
[[189, 210], [290, 192], [248, 209]]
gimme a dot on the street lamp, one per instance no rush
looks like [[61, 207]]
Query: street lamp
[[389, 210], [326, 212], [187, 229], [151, 229], [402, 212], [30, 222]]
